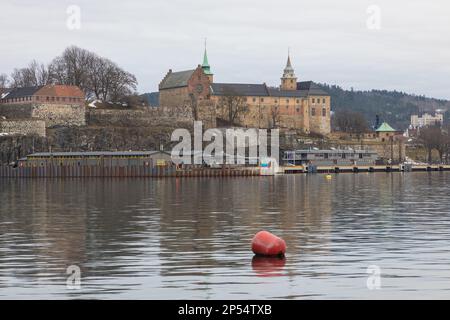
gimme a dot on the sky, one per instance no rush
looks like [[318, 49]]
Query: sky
[[399, 45]]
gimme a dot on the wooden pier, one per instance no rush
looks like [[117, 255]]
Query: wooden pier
[[364, 168]]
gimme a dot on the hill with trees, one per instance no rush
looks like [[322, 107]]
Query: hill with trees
[[392, 106]]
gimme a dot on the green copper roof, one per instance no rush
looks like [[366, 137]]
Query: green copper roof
[[385, 127], [205, 65]]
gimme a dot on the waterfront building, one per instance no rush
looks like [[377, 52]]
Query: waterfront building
[[97, 158], [294, 104], [426, 120], [330, 157]]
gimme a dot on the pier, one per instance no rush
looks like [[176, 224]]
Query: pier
[[364, 168]]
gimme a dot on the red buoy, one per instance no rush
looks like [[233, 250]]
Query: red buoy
[[267, 244]]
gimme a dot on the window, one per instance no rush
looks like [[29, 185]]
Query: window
[[313, 111], [254, 99], [276, 101], [298, 101], [313, 100], [323, 100], [37, 98], [287, 100], [63, 99], [57, 98], [298, 109], [262, 99], [53, 98], [292, 81], [324, 112]]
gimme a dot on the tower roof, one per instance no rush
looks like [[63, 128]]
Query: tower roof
[[205, 65], [288, 71], [385, 127]]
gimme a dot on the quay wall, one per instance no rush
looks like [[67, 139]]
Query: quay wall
[[55, 171]]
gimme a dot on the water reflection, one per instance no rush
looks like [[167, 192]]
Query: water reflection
[[268, 266], [190, 238]]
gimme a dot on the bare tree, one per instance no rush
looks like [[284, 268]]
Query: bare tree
[[72, 67], [274, 117], [350, 121], [4, 81], [232, 106], [95, 75], [433, 138], [106, 80], [35, 74]]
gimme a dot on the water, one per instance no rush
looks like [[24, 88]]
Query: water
[[190, 238]]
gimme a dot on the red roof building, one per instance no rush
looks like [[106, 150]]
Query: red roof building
[[48, 94]]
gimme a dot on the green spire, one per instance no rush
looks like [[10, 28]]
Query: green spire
[[205, 66]]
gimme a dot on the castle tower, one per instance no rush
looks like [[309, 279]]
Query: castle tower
[[205, 66], [289, 80]]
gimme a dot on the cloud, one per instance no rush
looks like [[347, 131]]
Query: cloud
[[247, 40]]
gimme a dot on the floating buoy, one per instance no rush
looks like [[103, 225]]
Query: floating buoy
[[267, 244]]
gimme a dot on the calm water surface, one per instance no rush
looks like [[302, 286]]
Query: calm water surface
[[190, 238]]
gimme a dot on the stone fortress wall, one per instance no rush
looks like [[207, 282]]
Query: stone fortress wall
[[23, 127], [52, 114]]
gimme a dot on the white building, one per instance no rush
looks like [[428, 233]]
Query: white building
[[426, 120]]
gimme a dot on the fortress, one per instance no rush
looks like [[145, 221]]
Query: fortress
[[293, 105], [30, 110]]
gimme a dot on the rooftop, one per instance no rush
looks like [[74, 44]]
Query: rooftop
[[176, 79], [304, 89], [47, 90], [95, 154], [385, 127]]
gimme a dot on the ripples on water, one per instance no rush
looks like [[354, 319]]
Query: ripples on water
[[190, 238]]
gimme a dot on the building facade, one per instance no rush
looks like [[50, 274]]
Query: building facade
[[293, 105], [57, 105], [48, 94], [426, 120]]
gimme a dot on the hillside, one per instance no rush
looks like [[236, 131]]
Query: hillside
[[392, 106]]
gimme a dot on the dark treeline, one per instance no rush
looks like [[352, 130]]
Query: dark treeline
[[392, 106], [97, 76]]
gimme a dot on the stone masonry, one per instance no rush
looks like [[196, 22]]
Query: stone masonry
[[23, 127], [52, 114]]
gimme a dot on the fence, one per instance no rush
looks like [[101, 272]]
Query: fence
[[53, 171]]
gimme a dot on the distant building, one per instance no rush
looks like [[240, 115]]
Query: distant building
[[97, 158], [426, 120], [385, 132], [292, 105], [57, 105], [48, 94]]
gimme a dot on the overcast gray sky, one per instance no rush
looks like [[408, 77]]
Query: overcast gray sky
[[247, 40]]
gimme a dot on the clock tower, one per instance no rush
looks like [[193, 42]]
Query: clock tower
[[289, 79]]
